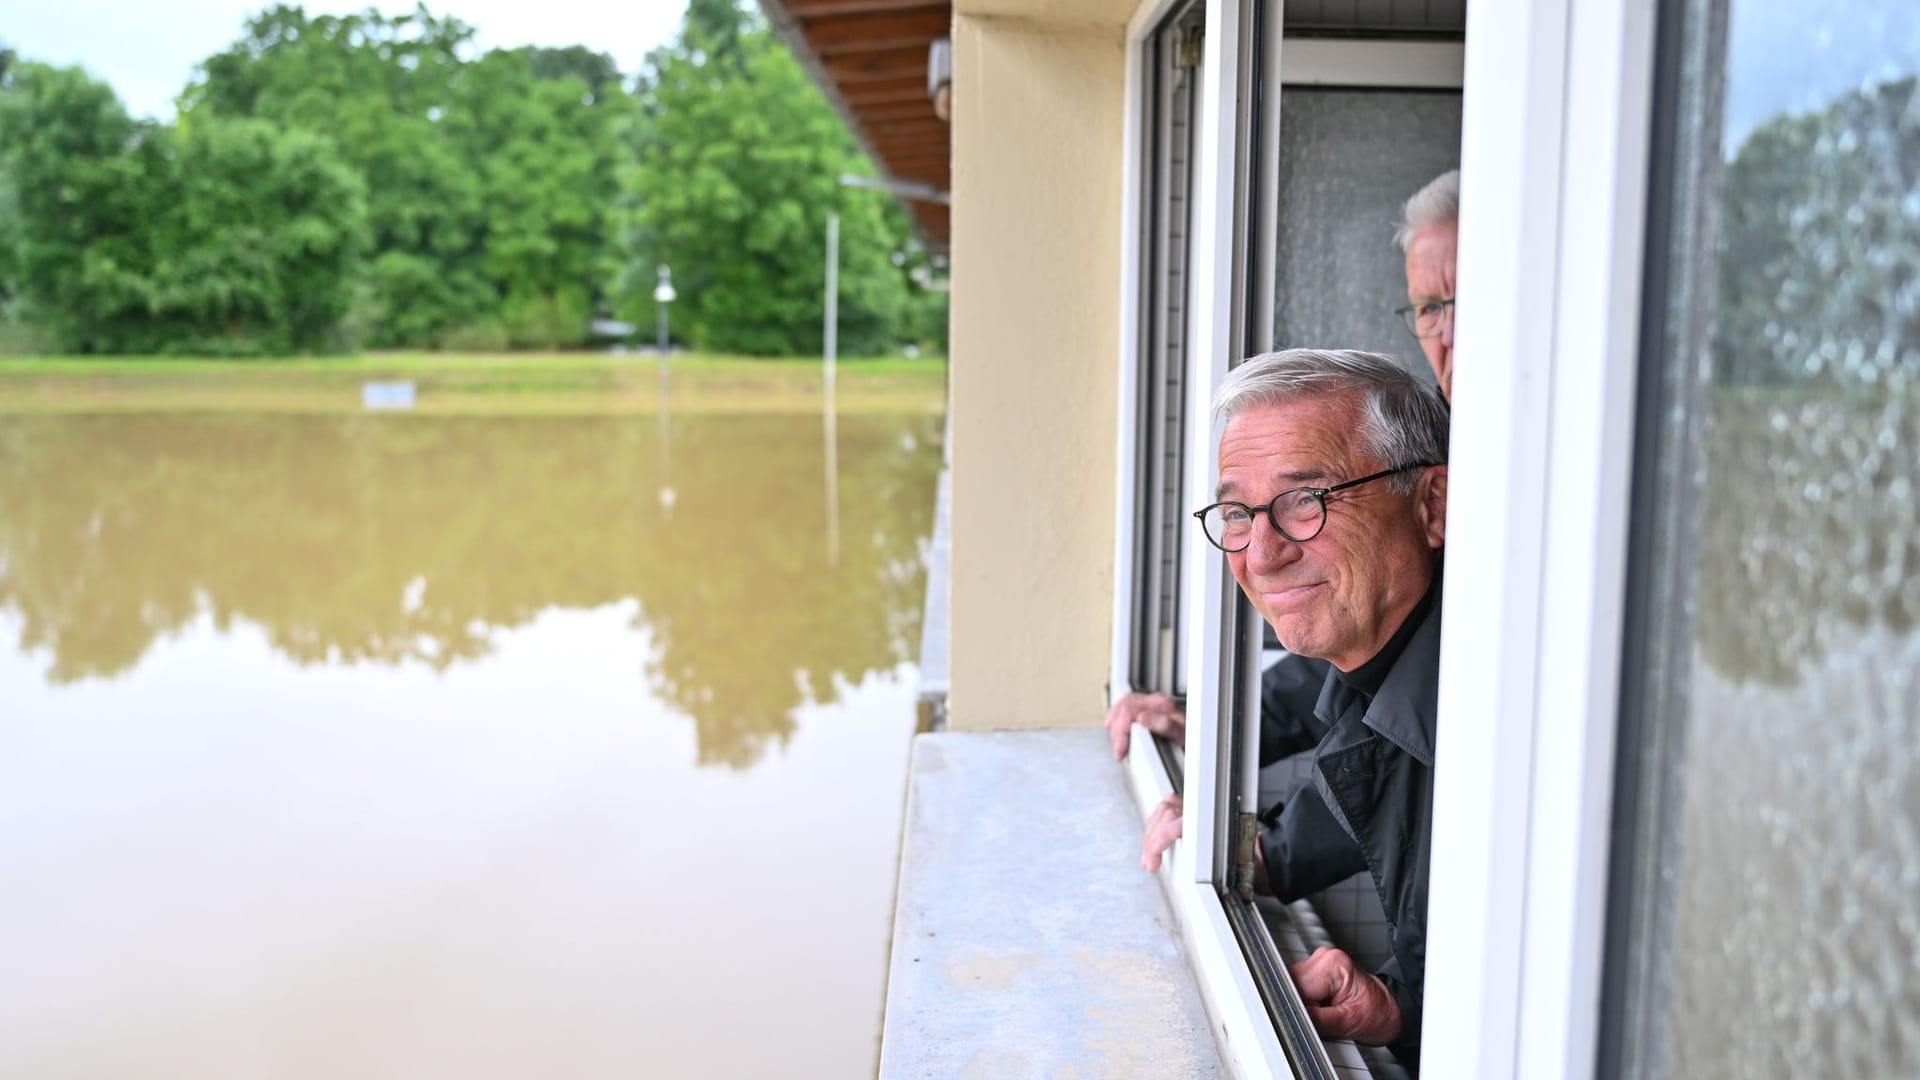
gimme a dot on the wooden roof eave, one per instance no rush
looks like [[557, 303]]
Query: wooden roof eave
[[875, 81]]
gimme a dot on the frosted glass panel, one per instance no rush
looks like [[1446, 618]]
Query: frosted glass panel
[[1377, 15], [1778, 890], [1349, 159]]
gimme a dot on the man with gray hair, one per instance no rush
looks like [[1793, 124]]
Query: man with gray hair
[[1331, 509], [1429, 227], [1429, 232]]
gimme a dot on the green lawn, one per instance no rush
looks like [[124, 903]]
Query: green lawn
[[448, 383]]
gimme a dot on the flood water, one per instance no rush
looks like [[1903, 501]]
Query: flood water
[[399, 746]]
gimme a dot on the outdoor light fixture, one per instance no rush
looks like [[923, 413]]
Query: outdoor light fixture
[[940, 76], [663, 295]]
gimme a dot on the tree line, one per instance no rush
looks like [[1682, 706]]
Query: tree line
[[331, 183]]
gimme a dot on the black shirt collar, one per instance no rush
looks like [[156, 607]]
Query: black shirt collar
[[1367, 678]]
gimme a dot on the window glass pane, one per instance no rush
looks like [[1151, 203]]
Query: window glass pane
[[1172, 102], [1350, 159], [1346, 161], [1775, 896]]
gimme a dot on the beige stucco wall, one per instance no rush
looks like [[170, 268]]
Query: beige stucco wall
[[1037, 124]]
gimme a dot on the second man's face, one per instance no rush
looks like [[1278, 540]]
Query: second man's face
[[1430, 278]]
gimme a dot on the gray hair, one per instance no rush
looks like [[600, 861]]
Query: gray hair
[[1435, 204], [1403, 420]]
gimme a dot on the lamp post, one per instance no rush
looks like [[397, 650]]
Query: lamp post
[[905, 189], [663, 295], [831, 348], [831, 332]]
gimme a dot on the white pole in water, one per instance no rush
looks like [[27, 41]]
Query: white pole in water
[[833, 297], [832, 342], [663, 295], [667, 496]]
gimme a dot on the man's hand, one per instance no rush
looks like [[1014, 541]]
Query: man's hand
[[1156, 712], [1344, 1001], [1163, 828]]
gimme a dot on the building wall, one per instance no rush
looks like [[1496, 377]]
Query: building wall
[[1037, 123]]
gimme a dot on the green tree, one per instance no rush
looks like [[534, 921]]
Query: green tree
[[380, 86], [9, 213], [545, 150], [489, 179], [122, 236], [737, 160], [74, 168], [258, 246], [594, 70]]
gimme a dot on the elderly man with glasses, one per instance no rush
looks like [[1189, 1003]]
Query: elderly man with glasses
[[1429, 232], [1331, 511], [1429, 229]]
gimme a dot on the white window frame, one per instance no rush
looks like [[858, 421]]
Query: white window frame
[[1241, 1026], [1330, 63], [1128, 506], [1554, 155], [1243, 1029], [1555, 152]]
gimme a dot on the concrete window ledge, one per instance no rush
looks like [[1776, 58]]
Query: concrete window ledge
[[1027, 942]]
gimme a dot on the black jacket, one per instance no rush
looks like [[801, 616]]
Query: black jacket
[[1304, 847], [1289, 697], [1374, 774]]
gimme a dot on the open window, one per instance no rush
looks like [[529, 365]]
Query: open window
[[1153, 611], [1352, 109], [1358, 126], [1270, 164], [1687, 260]]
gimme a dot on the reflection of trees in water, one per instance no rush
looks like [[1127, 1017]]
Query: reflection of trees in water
[[1781, 846], [117, 530], [758, 599], [1794, 923], [1820, 257], [1811, 526], [1812, 439]]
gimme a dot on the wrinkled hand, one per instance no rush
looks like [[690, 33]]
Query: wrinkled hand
[[1344, 1001], [1163, 828], [1157, 713]]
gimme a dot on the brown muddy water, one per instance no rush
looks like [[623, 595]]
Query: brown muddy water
[[396, 746]]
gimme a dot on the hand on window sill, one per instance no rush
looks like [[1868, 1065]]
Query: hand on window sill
[[1163, 828], [1158, 713]]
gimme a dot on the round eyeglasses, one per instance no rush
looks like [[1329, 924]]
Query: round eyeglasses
[[1427, 318], [1296, 513]]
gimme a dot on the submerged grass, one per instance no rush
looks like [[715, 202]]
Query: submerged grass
[[468, 383]]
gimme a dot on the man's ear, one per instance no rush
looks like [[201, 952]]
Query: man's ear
[[1433, 505]]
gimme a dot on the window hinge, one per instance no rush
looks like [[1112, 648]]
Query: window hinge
[[1246, 833], [1188, 55]]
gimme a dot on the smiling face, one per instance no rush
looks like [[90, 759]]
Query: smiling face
[[1430, 259], [1341, 595]]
